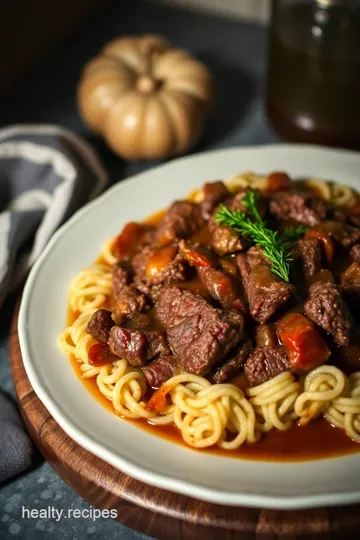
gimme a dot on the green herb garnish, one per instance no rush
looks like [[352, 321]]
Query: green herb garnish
[[277, 248]]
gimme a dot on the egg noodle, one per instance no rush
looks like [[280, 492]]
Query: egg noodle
[[212, 414]]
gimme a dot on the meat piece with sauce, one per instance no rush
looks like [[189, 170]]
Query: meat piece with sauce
[[200, 335], [298, 206], [307, 253], [222, 288], [197, 254], [214, 193], [122, 275], [265, 336], [236, 202], [328, 310], [344, 234], [158, 266], [265, 363], [160, 370], [136, 346], [100, 325], [128, 302], [355, 253], [182, 220], [127, 299], [266, 293], [220, 285], [350, 285], [232, 365], [139, 321], [224, 240]]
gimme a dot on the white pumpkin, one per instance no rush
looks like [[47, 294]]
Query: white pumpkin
[[145, 98]]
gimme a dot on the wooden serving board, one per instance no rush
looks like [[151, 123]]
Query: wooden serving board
[[156, 512]]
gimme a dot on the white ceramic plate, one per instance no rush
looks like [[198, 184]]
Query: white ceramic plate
[[136, 452]]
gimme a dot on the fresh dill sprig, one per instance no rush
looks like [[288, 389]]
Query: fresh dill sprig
[[276, 247], [250, 202]]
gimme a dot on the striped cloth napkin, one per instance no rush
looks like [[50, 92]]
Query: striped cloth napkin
[[46, 173]]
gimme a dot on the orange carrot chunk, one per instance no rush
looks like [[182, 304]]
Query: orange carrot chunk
[[303, 342], [159, 260], [100, 354], [125, 241], [157, 402]]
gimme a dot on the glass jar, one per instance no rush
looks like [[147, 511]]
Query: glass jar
[[313, 87]]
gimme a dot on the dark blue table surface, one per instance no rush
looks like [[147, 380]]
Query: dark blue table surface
[[236, 53]]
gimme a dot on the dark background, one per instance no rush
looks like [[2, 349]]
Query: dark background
[[235, 52]]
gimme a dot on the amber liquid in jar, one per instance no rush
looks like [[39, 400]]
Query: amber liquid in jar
[[313, 92]]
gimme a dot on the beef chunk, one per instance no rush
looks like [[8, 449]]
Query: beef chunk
[[121, 276], [341, 232], [157, 266], [200, 335], [265, 363], [128, 302], [350, 284], [182, 220], [100, 325], [266, 293], [265, 335], [337, 214], [236, 203], [222, 287], [225, 240], [354, 220], [255, 256], [232, 365], [327, 309], [137, 347], [298, 206], [152, 292], [308, 253], [214, 193], [355, 253], [139, 321], [160, 370]]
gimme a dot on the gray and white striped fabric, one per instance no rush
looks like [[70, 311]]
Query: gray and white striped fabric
[[46, 173]]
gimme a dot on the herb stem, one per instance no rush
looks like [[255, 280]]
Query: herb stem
[[277, 248]]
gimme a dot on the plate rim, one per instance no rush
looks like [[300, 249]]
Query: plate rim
[[79, 435]]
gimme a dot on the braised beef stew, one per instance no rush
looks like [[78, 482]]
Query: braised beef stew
[[193, 294]]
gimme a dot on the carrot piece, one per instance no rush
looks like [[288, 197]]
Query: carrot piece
[[159, 260], [157, 402], [100, 354], [125, 241], [303, 342]]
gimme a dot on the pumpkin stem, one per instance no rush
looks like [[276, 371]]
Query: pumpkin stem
[[146, 84]]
